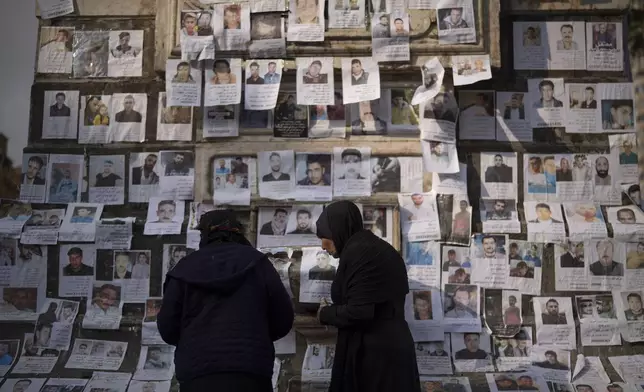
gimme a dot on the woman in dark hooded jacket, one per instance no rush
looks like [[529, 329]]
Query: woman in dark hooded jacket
[[374, 349], [223, 307]]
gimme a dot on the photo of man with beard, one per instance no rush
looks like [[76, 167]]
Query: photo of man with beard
[[145, 174], [277, 225], [177, 163], [602, 166], [318, 171]]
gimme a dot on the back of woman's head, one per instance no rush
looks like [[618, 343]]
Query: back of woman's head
[[221, 226]]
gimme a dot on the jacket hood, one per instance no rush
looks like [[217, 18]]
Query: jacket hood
[[220, 267]]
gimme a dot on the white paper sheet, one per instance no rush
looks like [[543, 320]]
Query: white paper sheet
[[390, 36], [604, 46], [104, 305], [317, 271], [360, 79], [470, 69], [456, 24], [165, 216], [263, 79], [126, 53], [55, 324], [76, 269], [95, 118], [476, 115], [351, 167], [513, 123], [345, 14], [268, 36], [424, 314], [79, 224], [35, 360], [419, 217], [55, 50], [306, 21], [231, 25], [472, 352], [33, 178], [545, 221], [130, 113], [177, 174], [64, 176], [318, 362], [433, 358], [432, 72], [173, 122], [155, 363], [461, 307], [597, 320], [234, 178], [440, 157], [183, 83], [50, 9], [555, 322], [276, 174], [60, 115], [96, 354], [144, 177]]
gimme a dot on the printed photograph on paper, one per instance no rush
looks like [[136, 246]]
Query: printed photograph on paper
[[604, 46], [471, 69], [512, 124], [126, 53], [268, 36], [545, 97], [476, 115], [306, 21], [64, 177], [360, 79], [456, 23], [55, 50], [94, 121], [60, 115], [128, 124], [33, 178], [231, 25], [351, 167], [91, 54]]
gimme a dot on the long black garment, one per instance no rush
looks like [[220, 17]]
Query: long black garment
[[374, 350]]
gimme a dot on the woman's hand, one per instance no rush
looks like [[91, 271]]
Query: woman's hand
[[323, 304]]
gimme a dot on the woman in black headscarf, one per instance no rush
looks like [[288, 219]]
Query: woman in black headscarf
[[374, 350], [223, 307]]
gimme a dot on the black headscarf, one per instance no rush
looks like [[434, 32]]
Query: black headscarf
[[221, 226], [338, 222]]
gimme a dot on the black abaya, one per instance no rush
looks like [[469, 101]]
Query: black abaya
[[374, 350]]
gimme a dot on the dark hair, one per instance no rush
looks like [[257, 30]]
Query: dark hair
[[626, 210], [591, 89], [633, 188], [542, 205], [220, 62], [618, 103], [307, 212], [182, 64], [398, 19], [550, 352], [451, 252], [151, 155], [552, 300], [634, 295], [522, 264], [566, 25], [486, 236], [546, 83], [124, 34], [64, 31], [278, 210], [37, 160], [497, 155], [356, 61], [422, 295], [318, 62], [61, 95], [514, 245], [272, 62], [108, 286], [253, 64], [75, 251], [351, 152]]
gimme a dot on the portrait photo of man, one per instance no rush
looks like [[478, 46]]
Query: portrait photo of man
[[265, 26], [532, 36], [183, 74], [500, 211], [462, 220], [422, 304], [635, 311], [59, 108], [589, 101], [617, 114], [222, 73], [289, 110], [381, 29], [481, 106], [322, 270], [369, 121], [21, 385], [551, 316], [313, 75], [627, 156], [166, 211], [145, 174], [472, 348], [272, 76], [277, 225], [177, 163], [442, 108], [106, 302], [254, 77], [547, 93], [304, 222], [128, 114], [83, 214], [32, 174], [451, 19], [306, 12], [552, 362], [606, 266], [402, 113], [7, 353], [574, 256], [18, 300], [602, 176], [351, 161], [276, 174], [124, 49], [175, 254], [603, 37], [55, 52], [566, 42], [626, 216], [399, 28], [429, 78], [385, 174], [107, 178], [122, 266], [76, 266], [462, 303], [317, 171], [204, 27], [232, 17], [543, 214], [489, 248], [358, 75], [499, 172], [156, 359]]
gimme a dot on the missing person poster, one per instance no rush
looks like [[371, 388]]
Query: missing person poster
[[317, 271]]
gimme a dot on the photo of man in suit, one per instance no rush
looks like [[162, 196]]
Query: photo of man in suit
[[32, 175], [76, 267], [145, 175], [606, 266], [59, 109], [574, 257], [544, 215], [277, 225]]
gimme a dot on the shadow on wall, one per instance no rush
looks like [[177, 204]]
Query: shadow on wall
[[9, 176]]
